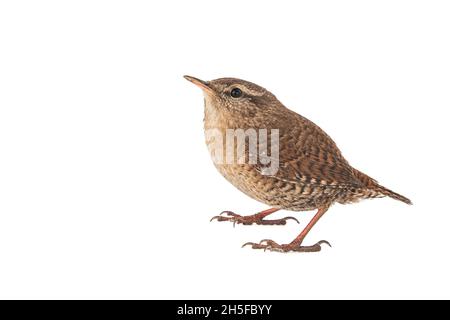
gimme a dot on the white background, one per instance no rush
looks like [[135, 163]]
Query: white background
[[106, 186]]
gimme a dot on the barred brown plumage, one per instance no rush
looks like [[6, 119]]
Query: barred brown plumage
[[312, 173]]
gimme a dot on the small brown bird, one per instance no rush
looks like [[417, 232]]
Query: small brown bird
[[311, 173]]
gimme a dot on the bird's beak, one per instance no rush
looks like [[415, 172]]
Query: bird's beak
[[204, 85]]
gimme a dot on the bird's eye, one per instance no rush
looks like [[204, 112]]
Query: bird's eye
[[236, 92]]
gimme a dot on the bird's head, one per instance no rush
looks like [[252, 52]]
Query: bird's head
[[236, 97]]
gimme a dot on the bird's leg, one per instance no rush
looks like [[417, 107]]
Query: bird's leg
[[295, 245], [257, 218]]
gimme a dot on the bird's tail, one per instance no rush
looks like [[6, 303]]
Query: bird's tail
[[375, 190], [386, 192]]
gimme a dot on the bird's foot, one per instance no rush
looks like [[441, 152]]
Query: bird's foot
[[248, 220], [271, 245]]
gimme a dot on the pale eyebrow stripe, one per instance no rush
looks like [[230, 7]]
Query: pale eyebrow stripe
[[246, 90]]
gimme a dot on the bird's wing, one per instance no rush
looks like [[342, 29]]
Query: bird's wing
[[313, 169], [308, 155]]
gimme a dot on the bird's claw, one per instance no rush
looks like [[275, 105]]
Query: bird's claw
[[289, 218], [271, 245], [248, 220], [229, 213]]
